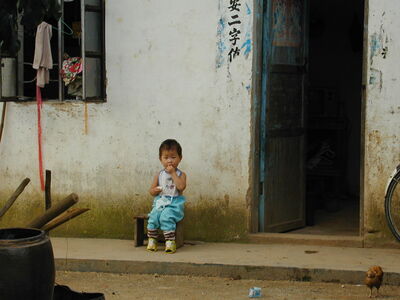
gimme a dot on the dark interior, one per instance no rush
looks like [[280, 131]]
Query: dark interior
[[333, 115]]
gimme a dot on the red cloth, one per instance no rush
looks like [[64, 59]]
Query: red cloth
[[39, 107]]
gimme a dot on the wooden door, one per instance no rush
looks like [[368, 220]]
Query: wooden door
[[282, 200]]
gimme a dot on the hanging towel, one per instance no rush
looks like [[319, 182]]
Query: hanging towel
[[43, 61]]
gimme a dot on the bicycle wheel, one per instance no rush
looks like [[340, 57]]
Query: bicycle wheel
[[392, 204]]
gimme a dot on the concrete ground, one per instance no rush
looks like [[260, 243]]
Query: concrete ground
[[345, 265], [134, 286]]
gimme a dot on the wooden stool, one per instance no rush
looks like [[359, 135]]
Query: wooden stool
[[140, 234]]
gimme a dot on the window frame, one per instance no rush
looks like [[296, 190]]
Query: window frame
[[60, 45]]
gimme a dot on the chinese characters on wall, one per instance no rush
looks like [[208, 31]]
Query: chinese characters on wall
[[234, 26]]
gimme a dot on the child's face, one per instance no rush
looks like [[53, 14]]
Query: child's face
[[170, 158]]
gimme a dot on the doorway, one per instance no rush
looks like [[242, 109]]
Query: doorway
[[310, 128]]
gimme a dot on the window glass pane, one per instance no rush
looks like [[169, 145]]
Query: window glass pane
[[93, 77], [93, 2], [93, 31]]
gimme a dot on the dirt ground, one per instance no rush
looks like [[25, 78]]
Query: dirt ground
[[133, 286]]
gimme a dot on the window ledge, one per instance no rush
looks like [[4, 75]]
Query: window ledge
[[55, 101]]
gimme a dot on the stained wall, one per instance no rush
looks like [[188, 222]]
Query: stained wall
[[168, 76], [381, 113]]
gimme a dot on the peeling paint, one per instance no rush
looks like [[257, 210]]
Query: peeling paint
[[248, 10], [378, 44], [248, 29], [375, 45], [247, 45], [375, 78]]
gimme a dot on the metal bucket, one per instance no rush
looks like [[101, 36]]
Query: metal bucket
[[27, 265]]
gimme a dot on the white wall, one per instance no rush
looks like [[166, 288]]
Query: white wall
[[382, 139], [167, 78]]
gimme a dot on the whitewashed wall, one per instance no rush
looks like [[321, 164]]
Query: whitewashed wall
[[382, 113], [168, 77]]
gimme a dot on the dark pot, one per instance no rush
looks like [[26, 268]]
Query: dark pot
[[27, 265], [62, 292]]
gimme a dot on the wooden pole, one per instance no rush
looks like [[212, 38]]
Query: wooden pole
[[54, 211], [3, 114], [66, 216], [47, 190], [14, 196]]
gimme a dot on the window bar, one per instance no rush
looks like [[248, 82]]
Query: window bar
[[83, 30], [20, 61], [103, 49], [1, 75], [60, 52]]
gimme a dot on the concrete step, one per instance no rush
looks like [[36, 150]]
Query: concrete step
[[231, 260]]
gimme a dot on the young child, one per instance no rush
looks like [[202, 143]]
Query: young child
[[167, 187]]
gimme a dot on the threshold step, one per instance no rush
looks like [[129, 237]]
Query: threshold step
[[306, 239]]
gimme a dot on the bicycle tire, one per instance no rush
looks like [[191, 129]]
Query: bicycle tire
[[390, 215]]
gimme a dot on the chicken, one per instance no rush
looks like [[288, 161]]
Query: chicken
[[374, 279]]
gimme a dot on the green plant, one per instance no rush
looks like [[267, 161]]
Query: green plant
[[28, 13]]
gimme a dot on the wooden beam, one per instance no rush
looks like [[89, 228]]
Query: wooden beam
[[47, 190], [3, 116], [64, 217], [14, 196], [54, 211]]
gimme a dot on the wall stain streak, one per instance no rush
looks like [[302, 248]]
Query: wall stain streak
[[377, 231], [221, 47]]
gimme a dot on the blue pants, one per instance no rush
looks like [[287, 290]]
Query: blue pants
[[167, 217]]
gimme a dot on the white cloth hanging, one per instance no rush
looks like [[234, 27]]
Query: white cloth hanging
[[43, 60]]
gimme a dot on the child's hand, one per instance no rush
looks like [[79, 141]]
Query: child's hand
[[170, 169], [156, 190]]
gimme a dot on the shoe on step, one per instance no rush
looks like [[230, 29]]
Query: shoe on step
[[170, 247], [152, 245]]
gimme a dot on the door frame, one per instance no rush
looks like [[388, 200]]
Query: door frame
[[364, 83], [258, 65], [256, 96]]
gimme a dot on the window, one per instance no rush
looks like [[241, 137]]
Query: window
[[77, 44]]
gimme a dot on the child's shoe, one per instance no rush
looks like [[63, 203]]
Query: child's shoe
[[170, 247], [152, 245]]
